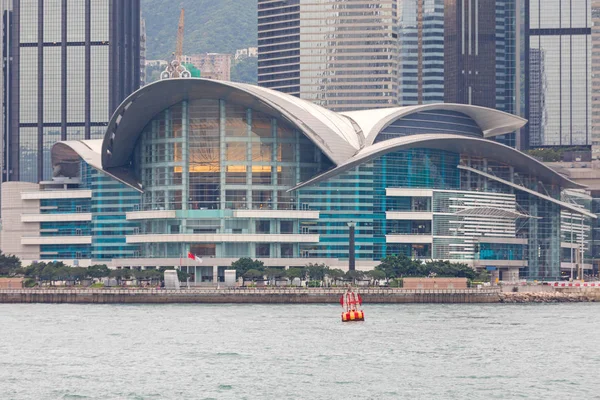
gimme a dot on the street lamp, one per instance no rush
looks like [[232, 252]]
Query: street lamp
[[351, 253]]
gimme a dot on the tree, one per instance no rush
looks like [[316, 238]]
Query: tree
[[376, 275], [9, 264], [316, 272], [355, 275], [245, 264], [294, 273], [335, 274], [117, 274], [98, 271], [245, 70], [274, 273], [397, 266], [253, 275]]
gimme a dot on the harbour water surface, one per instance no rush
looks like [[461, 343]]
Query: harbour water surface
[[299, 352]]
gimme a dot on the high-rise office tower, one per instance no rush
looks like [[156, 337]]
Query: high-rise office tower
[[470, 52], [559, 78], [596, 79], [67, 65], [421, 51], [462, 52], [339, 54]]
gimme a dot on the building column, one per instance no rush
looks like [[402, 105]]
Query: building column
[[513, 274], [215, 273]]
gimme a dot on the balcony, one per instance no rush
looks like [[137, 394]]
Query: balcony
[[409, 215], [409, 238], [226, 238], [153, 214], [276, 214], [70, 217], [56, 194], [39, 240]]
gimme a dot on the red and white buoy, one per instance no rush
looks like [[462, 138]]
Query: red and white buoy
[[351, 302]]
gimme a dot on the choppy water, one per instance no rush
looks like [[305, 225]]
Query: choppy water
[[299, 352]]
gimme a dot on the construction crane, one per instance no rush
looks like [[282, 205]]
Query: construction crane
[[179, 49], [176, 69]]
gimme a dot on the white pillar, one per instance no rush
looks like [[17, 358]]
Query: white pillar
[[215, 273]]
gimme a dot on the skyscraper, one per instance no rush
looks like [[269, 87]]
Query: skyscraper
[[560, 54], [462, 52], [596, 79], [421, 51], [339, 54], [67, 65]]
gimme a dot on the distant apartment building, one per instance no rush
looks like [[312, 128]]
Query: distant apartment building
[[340, 55], [559, 86], [67, 64], [211, 65], [251, 52]]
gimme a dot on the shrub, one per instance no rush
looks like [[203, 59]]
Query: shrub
[[98, 285], [29, 283], [396, 282]]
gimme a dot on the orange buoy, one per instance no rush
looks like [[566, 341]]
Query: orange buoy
[[350, 302]]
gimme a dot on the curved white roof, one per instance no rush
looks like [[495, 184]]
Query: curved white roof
[[346, 138], [492, 122], [454, 143], [331, 132]]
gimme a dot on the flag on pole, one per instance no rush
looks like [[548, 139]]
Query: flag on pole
[[194, 257]]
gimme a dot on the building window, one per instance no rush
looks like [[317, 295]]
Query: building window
[[286, 227], [287, 250], [263, 250], [263, 226]]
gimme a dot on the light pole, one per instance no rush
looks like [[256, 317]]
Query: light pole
[[351, 253]]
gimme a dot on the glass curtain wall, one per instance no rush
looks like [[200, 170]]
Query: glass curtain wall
[[206, 158]]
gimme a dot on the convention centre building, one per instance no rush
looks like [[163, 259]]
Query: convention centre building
[[226, 170]]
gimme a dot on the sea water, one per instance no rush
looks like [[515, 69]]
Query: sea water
[[413, 351]]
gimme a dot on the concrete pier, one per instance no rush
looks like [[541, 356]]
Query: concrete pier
[[249, 295]]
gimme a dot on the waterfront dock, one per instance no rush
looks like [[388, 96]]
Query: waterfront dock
[[245, 295], [290, 295]]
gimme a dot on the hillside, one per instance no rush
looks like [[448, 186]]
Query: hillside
[[211, 26]]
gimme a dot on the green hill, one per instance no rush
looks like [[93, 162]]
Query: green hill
[[211, 26]]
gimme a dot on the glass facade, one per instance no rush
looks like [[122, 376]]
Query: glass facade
[[595, 79], [207, 158], [421, 51], [340, 55], [560, 68], [60, 55], [431, 122]]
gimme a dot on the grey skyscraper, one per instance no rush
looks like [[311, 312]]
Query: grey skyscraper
[[339, 54], [560, 54], [462, 52], [67, 65]]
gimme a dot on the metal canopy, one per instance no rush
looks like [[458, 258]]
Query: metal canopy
[[492, 212], [562, 204]]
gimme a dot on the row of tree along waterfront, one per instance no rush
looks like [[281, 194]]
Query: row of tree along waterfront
[[390, 272]]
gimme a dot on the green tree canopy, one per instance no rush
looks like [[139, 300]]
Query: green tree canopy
[[245, 264], [9, 264], [293, 273], [317, 272], [98, 271], [253, 274], [335, 274]]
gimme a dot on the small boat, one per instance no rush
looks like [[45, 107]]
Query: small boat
[[351, 303]]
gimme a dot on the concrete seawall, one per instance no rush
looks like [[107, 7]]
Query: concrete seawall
[[266, 296]]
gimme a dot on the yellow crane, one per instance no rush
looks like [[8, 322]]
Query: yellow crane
[[176, 69], [180, 27]]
